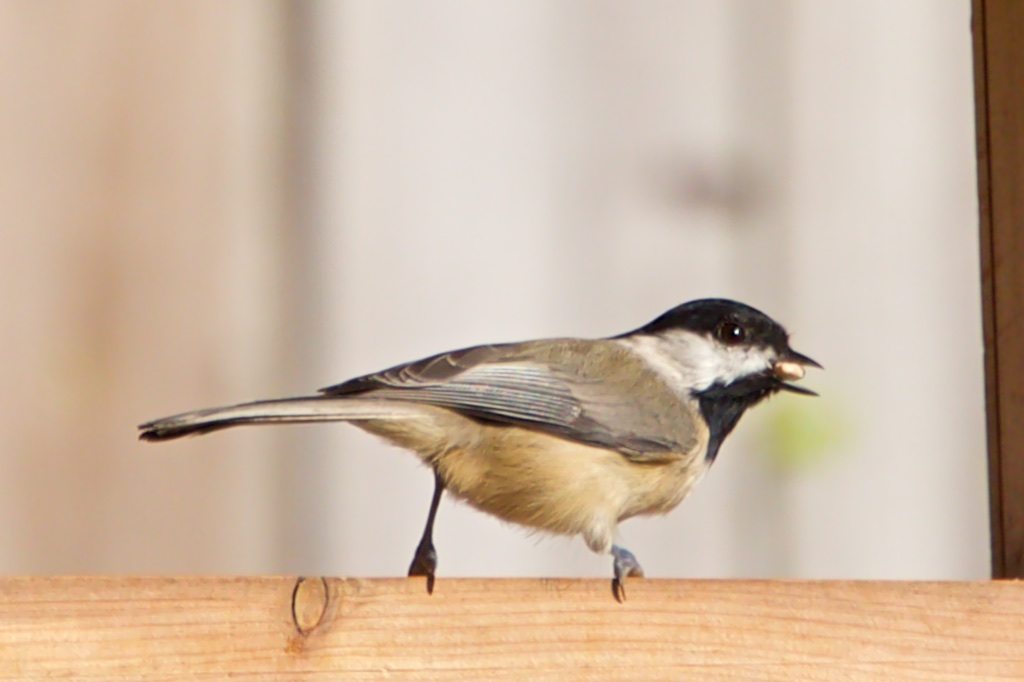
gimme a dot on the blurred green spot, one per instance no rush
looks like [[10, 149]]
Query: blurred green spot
[[800, 435]]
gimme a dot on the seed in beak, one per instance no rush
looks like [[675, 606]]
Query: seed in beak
[[788, 371]]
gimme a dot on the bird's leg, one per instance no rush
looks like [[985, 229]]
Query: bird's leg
[[626, 566], [424, 562]]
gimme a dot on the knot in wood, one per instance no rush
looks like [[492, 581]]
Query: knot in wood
[[309, 603]]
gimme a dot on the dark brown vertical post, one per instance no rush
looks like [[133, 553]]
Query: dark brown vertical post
[[999, 99]]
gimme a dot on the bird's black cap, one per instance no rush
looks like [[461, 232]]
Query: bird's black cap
[[708, 315]]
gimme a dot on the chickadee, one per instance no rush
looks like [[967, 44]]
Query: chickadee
[[565, 435]]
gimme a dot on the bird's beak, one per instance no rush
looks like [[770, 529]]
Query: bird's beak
[[790, 367], [801, 359]]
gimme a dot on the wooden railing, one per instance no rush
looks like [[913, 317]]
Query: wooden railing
[[284, 628]]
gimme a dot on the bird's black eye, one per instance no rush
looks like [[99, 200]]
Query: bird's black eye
[[730, 333]]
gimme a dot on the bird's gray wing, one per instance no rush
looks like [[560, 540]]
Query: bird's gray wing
[[594, 392]]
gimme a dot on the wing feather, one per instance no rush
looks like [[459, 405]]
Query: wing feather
[[583, 390]]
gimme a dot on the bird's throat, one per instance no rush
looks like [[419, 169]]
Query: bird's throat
[[723, 405]]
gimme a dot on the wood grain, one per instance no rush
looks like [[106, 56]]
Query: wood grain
[[998, 27], [212, 628]]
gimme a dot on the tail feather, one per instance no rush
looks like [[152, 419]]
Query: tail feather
[[285, 411]]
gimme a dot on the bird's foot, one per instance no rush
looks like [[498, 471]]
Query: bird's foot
[[626, 566], [424, 563]]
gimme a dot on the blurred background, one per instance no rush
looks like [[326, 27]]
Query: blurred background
[[205, 203]]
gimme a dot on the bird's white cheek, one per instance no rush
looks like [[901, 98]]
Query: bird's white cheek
[[694, 362], [736, 363]]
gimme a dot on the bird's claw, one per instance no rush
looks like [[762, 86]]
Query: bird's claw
[[424, 563], [625, 566]]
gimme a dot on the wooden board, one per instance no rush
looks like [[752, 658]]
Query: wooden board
[[284, 628], [998, 27]]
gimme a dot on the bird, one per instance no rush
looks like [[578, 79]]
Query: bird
[[568, 436]]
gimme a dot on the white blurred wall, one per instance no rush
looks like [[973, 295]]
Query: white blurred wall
[[461, 172]]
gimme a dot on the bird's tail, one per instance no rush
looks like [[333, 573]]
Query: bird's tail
[[285, 411]]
